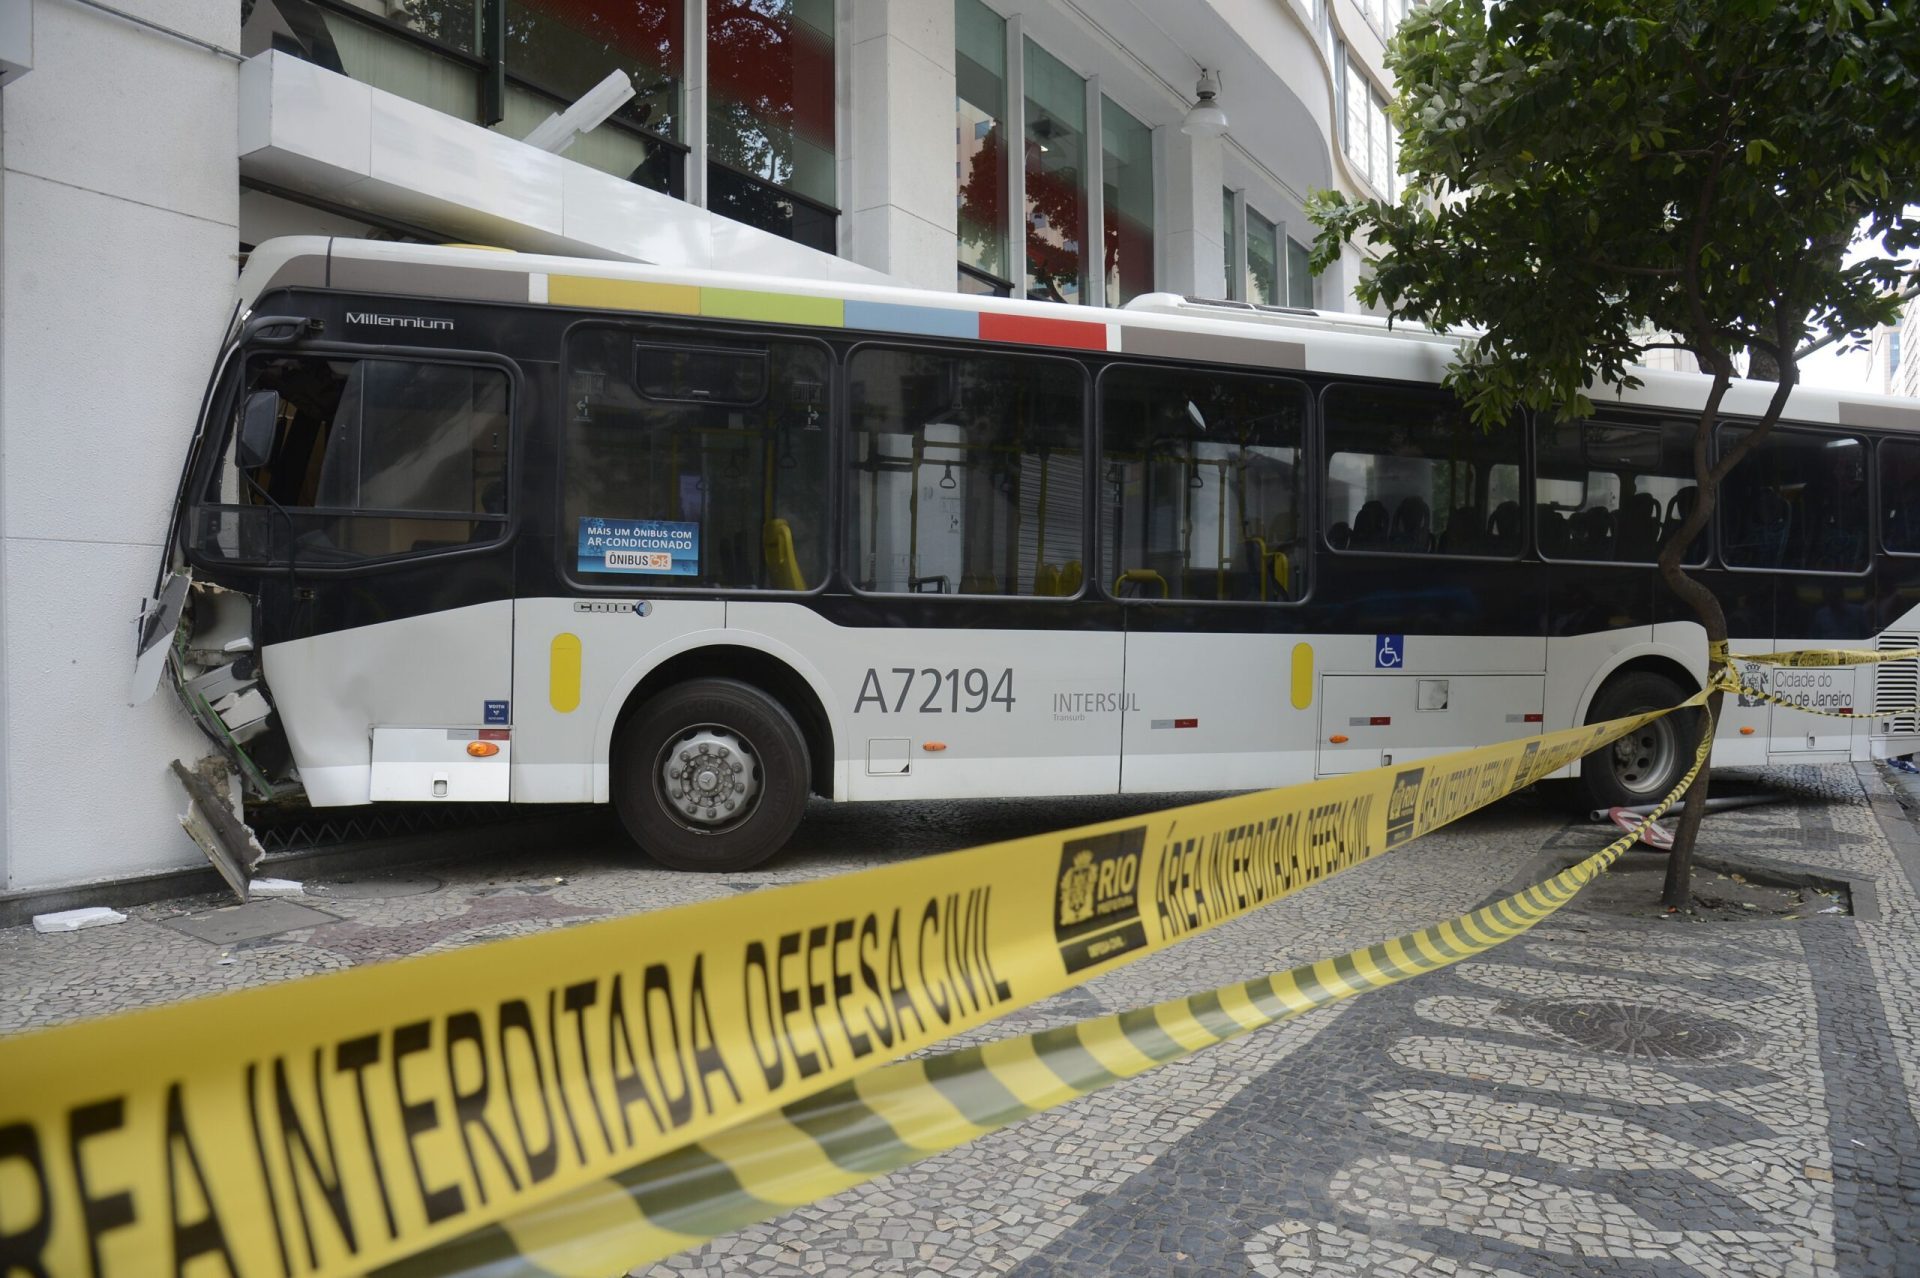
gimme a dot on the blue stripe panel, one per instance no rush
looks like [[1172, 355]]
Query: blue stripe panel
[[932, 321]]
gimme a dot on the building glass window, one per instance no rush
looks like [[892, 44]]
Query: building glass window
[[1056, 151], [980, 82], [1299, 275], [422, 50], [1413, 474], [1799, 500], [1127, 176], [770, 122], [1370, 140], [1203, 485], [1263, 261], [722, 446], [968, 473], [1227, 238], [558, 49]]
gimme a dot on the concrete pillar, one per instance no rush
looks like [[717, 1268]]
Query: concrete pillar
[[902, 189], [1195, 260], [119, 201]]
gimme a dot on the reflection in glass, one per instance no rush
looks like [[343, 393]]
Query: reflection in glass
[[568, 46], [1299, 275], [980, 103], [1263, 261], [351, 47], [1227, 238], [1056, 212], [1612, 490], [1127, 176], [1799, 500], [770, 102]]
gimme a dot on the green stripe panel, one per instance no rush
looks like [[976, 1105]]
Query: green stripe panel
[[773, 308]]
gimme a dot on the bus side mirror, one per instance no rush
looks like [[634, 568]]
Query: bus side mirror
[[257, 427]]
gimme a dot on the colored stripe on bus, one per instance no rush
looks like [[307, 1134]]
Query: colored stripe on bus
[[1033, 331], [772, 308], [623, 295], [925, 321]]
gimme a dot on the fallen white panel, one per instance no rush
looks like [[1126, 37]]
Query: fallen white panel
[[74, 920]]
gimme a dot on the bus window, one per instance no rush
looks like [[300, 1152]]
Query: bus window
[[695, 464], [1613, 491], [363, 459], [1203, 485], [1408, 472], [1900, 496], [967, 473], [1799, 500]]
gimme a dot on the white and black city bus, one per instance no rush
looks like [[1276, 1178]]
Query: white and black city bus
[[471, 525]]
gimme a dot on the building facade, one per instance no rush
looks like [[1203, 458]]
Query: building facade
[[1035, 148], [1894, 355]]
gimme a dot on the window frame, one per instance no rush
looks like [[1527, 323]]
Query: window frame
[[1523, 435], [227, 401], [1867, 438], [845, 544], [565, 541], [1310, 462], [1531, 534], [1877, 481]]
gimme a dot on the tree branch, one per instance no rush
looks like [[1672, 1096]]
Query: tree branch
[[1905, 295]]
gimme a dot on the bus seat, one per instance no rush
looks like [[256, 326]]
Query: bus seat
[[1370, 526], [1412, 525], [1070, 578], [1593, 533], [1462, 536], [1139, 577], [1046, 580], [783, 565], [1638, 533], [1340, 536], [1503, 527], [1551, 528]]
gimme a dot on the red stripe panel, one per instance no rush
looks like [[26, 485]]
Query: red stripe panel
[[1186, 723], [1026, 329]]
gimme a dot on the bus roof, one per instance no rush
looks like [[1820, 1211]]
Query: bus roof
[[1163, 325]]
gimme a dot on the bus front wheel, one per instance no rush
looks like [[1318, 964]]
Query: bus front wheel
[[1642, 766], [710, 775]]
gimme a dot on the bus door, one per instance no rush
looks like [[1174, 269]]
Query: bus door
[[1203, 486], [1798, 506], [360, 498], [1438, 628]]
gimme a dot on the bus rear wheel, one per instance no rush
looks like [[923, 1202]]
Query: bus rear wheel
[[1642, 766], [710, 775]]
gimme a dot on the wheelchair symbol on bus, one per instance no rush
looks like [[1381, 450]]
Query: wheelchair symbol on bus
[[1388, 651]]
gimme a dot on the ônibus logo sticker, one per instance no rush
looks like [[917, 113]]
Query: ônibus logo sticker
[[661, 547]]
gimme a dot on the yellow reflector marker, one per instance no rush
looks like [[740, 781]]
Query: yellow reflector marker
[[563, 673], [1302, 675], [482, 749], [623, 295]]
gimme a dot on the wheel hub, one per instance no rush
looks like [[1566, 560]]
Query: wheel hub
[[708, 778], [1642, 758]]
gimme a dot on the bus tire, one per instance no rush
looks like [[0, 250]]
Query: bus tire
[[1646, 763], [710, 775]]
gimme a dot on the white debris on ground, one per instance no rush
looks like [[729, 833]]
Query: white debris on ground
[[276, 887], [74, 920]]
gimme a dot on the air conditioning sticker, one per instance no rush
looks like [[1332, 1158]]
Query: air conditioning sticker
[[662, 548]]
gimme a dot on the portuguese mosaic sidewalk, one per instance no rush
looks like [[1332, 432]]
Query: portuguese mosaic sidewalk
[[1615, 1093]]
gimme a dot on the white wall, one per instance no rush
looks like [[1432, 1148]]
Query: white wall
[[119, 206], [902, 192]]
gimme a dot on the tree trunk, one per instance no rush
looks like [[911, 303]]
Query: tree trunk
[[1678, 890]]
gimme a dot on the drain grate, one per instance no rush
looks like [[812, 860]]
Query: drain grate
[[1635, 1029]]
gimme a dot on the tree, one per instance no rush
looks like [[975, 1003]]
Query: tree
[[1588, 179]]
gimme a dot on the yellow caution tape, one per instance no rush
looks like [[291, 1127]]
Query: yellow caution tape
[[336, 1124], [1815, 658], [898, 1114]]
